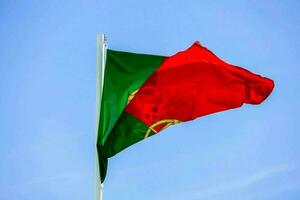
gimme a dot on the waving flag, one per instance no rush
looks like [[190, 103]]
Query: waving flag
[[144, 94]]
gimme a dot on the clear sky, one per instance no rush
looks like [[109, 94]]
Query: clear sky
[[47, 101]]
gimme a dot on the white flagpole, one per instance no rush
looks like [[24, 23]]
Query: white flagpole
[[101, 58]]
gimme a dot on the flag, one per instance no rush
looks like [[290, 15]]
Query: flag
[[144, 94]]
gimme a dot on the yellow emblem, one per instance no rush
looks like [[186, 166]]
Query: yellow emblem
[[131, 96], [167, 122]]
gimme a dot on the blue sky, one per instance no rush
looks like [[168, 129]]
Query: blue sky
[[47, 101]]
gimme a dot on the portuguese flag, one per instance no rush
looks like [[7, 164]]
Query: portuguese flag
[[144, 94]]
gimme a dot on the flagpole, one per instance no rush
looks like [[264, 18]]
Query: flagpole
[[101, 57]]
